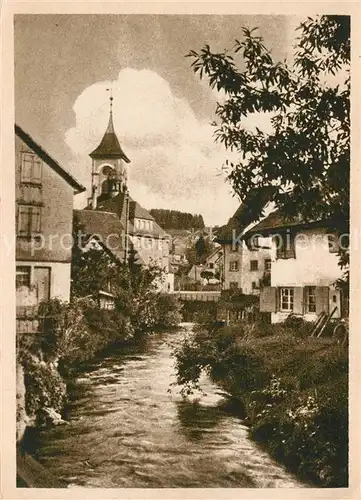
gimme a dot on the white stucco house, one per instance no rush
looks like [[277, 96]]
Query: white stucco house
[[304, 269]]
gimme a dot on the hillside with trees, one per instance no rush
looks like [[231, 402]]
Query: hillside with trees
[[174, 219]]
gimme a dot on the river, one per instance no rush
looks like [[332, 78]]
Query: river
[[126, 430]]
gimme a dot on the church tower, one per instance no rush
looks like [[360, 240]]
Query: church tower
[[109, 166]]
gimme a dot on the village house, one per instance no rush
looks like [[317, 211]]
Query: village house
[[210, 271], [139, 231], [101, 231], [244, 268], [304, 268], [44, 214]]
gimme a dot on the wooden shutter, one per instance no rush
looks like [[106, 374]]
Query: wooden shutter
[[268, 299], [298, 300], [322, 299]]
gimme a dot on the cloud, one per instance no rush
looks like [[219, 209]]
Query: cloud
[[174, 161]]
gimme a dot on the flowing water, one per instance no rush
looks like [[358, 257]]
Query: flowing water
[[127, 430]]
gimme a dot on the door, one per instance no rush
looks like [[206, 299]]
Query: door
[[42, 283]]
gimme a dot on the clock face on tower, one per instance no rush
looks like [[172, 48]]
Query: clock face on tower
[[107, 170]]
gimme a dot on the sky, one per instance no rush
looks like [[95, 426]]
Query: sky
[[162, 111]]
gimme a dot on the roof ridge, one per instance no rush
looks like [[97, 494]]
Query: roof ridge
[[48, 159], [95, 211]]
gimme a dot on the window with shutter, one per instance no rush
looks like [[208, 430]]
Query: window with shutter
[[285, 246], [322, 299], [42, 283], [233, 265], [254, 265], [310, 299], [23, 221], [31, 167], [286, 299], [23, 276], [298, 303], [29, 220], [268, 299]]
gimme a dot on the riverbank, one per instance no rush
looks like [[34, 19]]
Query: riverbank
[[293, 389], [71, 335]]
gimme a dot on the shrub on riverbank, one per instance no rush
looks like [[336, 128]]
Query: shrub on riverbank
[[71, 334], [294, 389]]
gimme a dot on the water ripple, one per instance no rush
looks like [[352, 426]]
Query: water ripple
[[126, 430]]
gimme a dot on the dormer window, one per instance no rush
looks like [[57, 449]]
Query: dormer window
[[30, 168], [285, 246]]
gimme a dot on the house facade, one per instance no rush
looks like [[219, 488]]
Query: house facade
[[140, 235], [304, 268], [244, 268], [44, 214]]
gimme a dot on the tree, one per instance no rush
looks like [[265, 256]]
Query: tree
[[203, 248], [200, 246], [92, 269], [306, 156], [174, 219]]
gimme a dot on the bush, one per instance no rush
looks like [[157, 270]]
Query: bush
[[44, 389], [308, 433], [198, 311], [168, 311], [294, 389], [298, 325]]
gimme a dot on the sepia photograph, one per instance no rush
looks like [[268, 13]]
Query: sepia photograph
[[182, 250]]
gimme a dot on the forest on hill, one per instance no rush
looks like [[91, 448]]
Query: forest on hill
[[174, 219]]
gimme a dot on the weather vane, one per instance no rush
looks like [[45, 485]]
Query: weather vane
[[111, 97]]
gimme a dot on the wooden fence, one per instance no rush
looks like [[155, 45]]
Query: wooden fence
[[202, 296]]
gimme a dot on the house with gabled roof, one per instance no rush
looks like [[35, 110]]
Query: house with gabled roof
[[244, 268], [304, 268], [212, 265], [110, 195], [102, 230], [44, 217]]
